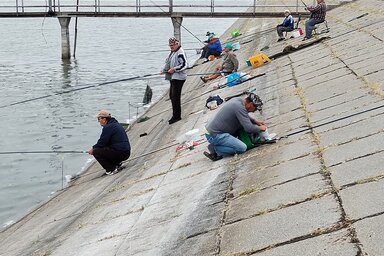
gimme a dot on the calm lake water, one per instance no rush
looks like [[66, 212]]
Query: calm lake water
[[108, 49]]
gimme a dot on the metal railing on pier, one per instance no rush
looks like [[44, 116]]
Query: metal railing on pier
[[139, 8]]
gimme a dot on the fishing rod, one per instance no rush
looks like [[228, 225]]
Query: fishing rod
[[178, 23], [332, 121], [79, 89], [306, 6], [44, 152]]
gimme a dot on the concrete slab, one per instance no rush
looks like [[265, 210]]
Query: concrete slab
[[345, 107], [358, 169], [335, 243], [274, 197], [353, 149], [279, 226], [274, 153], [352, 131], [370, 234], [270, 176], [362, 200]]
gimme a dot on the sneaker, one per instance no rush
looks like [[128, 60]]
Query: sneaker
[[120, 167], [205, 60], [212, 156], [280, 39], [109, 172], [203, 79]]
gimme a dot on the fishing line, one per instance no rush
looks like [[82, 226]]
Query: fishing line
[[179, 23], [332, 121], [78, 89], [43, 152]]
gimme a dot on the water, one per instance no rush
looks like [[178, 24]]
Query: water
[[30, 66]]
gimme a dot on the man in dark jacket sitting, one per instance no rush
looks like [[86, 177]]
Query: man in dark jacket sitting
[[113, 145]]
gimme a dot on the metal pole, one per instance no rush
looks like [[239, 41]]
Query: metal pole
[[297, 6], [17, 6], [254, 7], [170, 6], [75, 43]]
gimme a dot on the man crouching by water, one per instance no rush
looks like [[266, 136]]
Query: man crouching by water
[[113, 145], [233, 116]]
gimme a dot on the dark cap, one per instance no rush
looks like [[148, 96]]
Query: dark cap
[[256, 101], [173, 40]]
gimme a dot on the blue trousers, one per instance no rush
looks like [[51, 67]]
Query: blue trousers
[[309, 24], [225, 144]]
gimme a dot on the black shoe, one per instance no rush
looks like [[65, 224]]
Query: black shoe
[[280, 39], [109, 172], [212, 156], [174, 120], [120, 167], [203, 79]]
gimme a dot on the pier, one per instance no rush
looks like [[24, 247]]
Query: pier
[[149, 9]]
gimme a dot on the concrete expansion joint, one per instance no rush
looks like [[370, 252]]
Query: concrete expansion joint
[[357, 138], [374, 87], [324, 170], [311, 197], [227, 198], [363, 181], [356, 158], [315, 233]]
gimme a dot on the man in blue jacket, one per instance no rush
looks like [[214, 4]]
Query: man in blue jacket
[[286, 26], [113, 145], [212, 48]]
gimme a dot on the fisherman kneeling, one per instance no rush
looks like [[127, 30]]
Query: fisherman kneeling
[[113, 145], [232, 117]]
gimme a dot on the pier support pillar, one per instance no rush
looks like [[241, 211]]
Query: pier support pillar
[[176, 21], [65, 44]]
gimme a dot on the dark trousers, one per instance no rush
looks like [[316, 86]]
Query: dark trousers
[[281, 29], [175, 96], [109, 158], [206, 52]]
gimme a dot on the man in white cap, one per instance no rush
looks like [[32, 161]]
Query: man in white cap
[[286, 26], [113, 145], [175, 71]]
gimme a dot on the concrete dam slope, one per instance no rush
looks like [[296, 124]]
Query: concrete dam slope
[[318, 191]]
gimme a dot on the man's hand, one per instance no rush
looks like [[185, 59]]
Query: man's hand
[[262, 128], [90, 151], [171, 70]]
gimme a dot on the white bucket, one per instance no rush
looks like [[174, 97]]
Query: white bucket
[[192, 135]]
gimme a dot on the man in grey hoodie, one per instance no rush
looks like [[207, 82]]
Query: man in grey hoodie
[[175, 71], [233, 116]]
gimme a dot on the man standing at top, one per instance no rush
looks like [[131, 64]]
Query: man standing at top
[[317, 16], [113, 145], [287, 25], [232, 117], [175, 71]]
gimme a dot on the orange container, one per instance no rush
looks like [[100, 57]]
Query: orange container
[[258, 60]]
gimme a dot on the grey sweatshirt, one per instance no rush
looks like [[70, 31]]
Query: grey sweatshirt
[[230, 62], [178, 60], [230, 118]]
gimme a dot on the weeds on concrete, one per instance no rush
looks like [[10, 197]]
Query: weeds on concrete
[[248, 191], [46, 253], [107, 237]]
